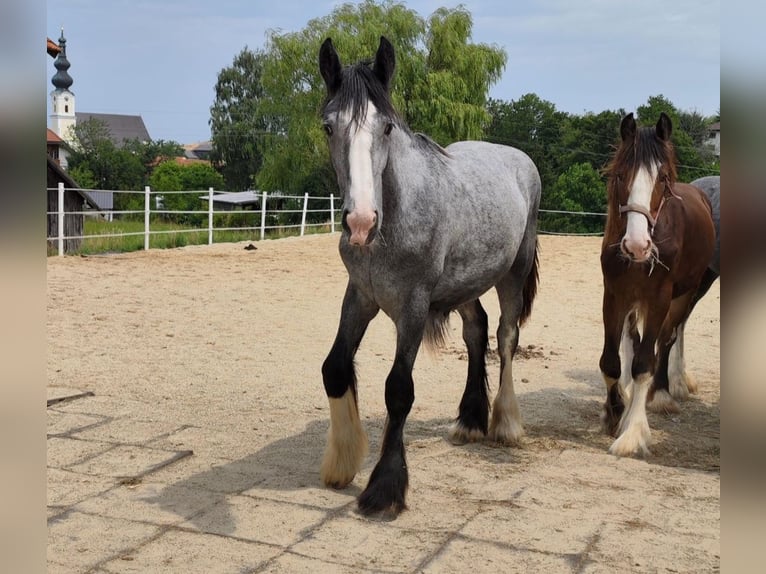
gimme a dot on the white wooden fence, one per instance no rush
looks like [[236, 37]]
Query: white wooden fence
[[308, 204], [331, 206]]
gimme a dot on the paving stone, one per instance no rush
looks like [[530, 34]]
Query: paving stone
[[289, 563], [66, 452], [150, 502], [82, 541], [359, 543], [193, 553], [66, 488], [123, 461], [129, 431], [462, 555], [60, 422], [257, 520]]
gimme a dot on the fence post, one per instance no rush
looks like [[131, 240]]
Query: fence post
[[147, 208], [263, 216], [332, 213], [60, 217], [303, 217], [210, 216]]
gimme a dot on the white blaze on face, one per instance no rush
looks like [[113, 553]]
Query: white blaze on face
[[637, 241], [361, 218]]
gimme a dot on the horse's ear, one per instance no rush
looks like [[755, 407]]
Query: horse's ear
[[628, 127], [664, 127], [329, 66], [385, 62]]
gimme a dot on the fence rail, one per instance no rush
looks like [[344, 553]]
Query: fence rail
[[267, 211]]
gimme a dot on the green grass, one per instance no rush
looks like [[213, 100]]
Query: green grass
[[171, 235]]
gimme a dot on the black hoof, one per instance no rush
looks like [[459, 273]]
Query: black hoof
[[385, 493]]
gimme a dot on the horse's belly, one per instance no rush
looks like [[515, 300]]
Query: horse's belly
[[465, 280]]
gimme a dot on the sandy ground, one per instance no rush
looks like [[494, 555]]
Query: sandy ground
[[196, 446]]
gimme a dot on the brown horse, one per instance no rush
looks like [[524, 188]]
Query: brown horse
[[658, 241]]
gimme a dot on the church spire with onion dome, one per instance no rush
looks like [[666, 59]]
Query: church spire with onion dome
[[63, 116]]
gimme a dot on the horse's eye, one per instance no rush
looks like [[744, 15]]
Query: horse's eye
[[327, 129], [388, 129]]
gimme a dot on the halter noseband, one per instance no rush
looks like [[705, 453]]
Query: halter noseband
[[652, 219]]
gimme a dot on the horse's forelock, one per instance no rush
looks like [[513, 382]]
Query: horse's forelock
[[360, 85], [646, 150]]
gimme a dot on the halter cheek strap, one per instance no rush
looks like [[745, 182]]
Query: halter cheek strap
[[652, 219]]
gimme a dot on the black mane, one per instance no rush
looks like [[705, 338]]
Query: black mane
[[358, 85]]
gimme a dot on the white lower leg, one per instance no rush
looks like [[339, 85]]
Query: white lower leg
[[626, 360], [506, 426], [634, 434], [346, 443], [681, 383]]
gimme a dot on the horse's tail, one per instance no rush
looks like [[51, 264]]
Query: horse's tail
[[436, 329], [530, 287]]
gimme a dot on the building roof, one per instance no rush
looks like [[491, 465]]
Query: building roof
[[121, 127], [716, 127], [59, 174], [53, 138], [236, 197]]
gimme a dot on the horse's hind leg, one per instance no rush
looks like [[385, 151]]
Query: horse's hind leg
[[473, 414], [346, 440], [660, 399], [681, 383], [506, 426]]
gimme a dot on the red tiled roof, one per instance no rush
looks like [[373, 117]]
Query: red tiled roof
[[53, 138]]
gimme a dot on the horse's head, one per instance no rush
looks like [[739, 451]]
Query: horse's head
[[641, 176], [358, 118]]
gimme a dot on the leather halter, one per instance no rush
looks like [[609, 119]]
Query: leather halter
[[652, 219]]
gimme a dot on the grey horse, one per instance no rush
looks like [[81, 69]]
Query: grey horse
[[426, 231], [680, 382]]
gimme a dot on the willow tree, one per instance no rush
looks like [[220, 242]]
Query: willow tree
[[440, 87]]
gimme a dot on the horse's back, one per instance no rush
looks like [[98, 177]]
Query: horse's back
[[485, 164], [711, 186]]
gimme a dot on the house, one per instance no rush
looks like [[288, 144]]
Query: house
[[57, 148], [76, 200], [199, 150], [235, 200], [121, 127], [714, 138]]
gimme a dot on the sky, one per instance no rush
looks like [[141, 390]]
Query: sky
[[160, 58]]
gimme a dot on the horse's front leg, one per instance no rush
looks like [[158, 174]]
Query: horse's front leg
[[634, 433], [386, 490], [614, 319], [346, 440]]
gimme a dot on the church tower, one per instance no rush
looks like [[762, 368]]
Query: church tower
[[63, 117]]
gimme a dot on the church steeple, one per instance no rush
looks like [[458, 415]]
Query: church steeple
[[63, 118], [61, 79]]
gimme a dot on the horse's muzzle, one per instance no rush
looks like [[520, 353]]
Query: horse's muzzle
[[361, 226]]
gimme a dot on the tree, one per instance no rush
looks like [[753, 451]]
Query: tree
[[239, 128], [693, 161], [197, 178], [97, 163], [534, 126], [579, 188], [440, 86]]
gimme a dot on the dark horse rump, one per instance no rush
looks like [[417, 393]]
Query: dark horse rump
[[426, 231], [658, 241]]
